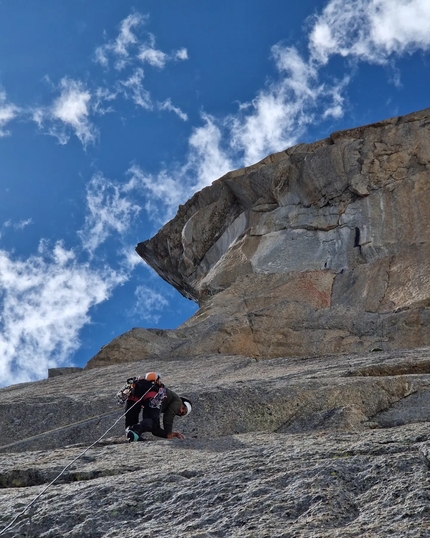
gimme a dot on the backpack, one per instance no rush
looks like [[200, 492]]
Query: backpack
[[136, 387]]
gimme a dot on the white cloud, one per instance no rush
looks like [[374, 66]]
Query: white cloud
[[72, 108], [47, 298], [370, 30], [335, 100], [149, 304], [151, 55], [167, 105], [130, 259], [8, 112], [23, 224], [128, 47], [20, 225], [129, 50], [163, 192], [99, 97], [157, 58], [279, 114], [101, 57], [38, 115], [70, 112], [119, 48], [126, 36], [45, 302], [207, 160], [365, 30], [181, 54], [134, 90], [109, 211], [401, 25]]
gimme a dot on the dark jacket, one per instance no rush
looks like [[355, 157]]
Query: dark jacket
[[170, 407]]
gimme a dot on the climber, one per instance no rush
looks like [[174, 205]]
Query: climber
[[154, 399]]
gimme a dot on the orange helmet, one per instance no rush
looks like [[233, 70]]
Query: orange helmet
[[152, 376]]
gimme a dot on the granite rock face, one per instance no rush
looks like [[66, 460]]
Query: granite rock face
[[318, 447], [322, 248], [357, 198]]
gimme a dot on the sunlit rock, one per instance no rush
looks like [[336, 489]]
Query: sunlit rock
[[321, 248]]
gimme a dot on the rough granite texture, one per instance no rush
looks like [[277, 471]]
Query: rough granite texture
[[311, 447], [321, 248]]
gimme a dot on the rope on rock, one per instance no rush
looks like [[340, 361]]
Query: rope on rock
[[12, 523], [60, 428]]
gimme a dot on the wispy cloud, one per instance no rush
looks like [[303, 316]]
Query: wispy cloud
[[8, 112], [361, 30], [129, 259], [20, 225], [149, 304], [133, 89], [370, 30], [302, 94], [120, 48], [45, 302], [101, 96], [162, 192], [280, 113], [149, 54], [128, 52], [181, 54], [129, 47], [47, 297], [167, 105], [70, 112], [110, 210], [207, 159], [72, 108]]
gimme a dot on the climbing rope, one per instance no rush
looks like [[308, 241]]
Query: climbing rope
[[60, 428], [12, 523]]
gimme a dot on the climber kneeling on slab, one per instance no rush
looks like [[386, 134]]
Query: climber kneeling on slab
[[149, 395]]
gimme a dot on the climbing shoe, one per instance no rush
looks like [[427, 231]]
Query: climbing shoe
[[132, 436]]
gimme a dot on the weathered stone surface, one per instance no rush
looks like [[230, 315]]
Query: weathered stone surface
[[320, 447], [55, 372], [244, 486], [353, 209], [136, 344]]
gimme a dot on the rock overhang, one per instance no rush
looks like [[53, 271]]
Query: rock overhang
[[331, 205], [352, 208]]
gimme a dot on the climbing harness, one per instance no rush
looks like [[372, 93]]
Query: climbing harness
[[12, 523]]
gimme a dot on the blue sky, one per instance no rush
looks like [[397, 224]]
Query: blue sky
[[112, 113]]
